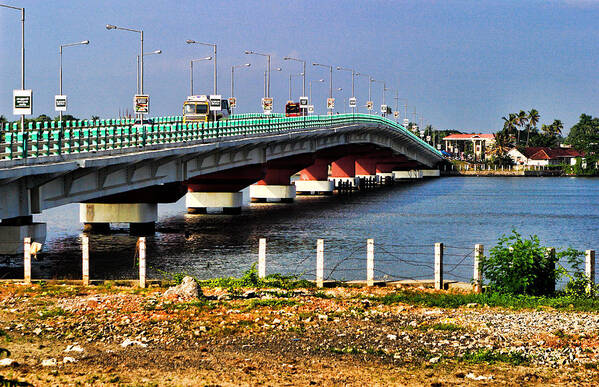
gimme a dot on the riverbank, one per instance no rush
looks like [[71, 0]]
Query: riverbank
[[357, 336], [509, 173]]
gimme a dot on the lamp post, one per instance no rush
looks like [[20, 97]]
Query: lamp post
[[303, 73], [293, 75], [384, 87], [267, 80], [191, 71], [233, 78], [267, 94], [320, 80], [370, 79], [85, 42], [22, 53], [330, 80], [213, 45], [156, 52], [353, 74]]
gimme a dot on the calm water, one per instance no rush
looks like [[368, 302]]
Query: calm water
[[405, 222]]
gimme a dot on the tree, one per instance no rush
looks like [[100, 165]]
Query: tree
[[533, 120], [584, 135]]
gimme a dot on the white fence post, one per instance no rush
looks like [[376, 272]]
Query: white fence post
[[370, 262], [27, 260], [439, 266], [262, 258], [320, 263], [142, 262], [85, 257], [478, 254], [589, 269]]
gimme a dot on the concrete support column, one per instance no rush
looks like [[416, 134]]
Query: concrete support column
[[98, 216], [413, 174], [365, 169], [344, 170], [274, 186], [14, 230], [200, 202], [314, 179]]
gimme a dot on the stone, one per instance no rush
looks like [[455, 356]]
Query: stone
[[186, 290], [37, 331], [479, 377], [73, 348], [68, 359], [49, 362], [392, 337], [434, 360], [129, 342], [6, 362]]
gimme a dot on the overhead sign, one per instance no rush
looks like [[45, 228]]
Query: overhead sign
[[311, 109], [141, 103], [232, 102], [267, 104], [330, 103], [369, 105], [60, 103], [215, 103], [353, 102], [303, 102], [22, 102], [383, 108], [406, 122]]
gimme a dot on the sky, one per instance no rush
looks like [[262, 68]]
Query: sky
[[459, 64]]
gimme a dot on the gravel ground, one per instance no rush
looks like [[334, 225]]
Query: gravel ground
[[66, 335]]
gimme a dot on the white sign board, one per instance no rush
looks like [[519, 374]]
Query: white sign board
[[353, 102], [215, 103], [232, 102], [369, 105], [383, 108], [22, 102], [141, 103], [267, 105], [311, 109], [60, 103], [330, 103], [406, 122], [303, 102]]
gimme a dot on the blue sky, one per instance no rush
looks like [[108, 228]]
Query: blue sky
[[461, 64]]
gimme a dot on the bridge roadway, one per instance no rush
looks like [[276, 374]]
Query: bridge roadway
[[119, 172]]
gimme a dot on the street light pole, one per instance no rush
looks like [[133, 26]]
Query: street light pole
[[213, 45], [233, 78], [60, 71], [267, 93], [304, 73], [191, 71], [145, 54], [22, 53], [293, 75], [320, 80], [330, 80], [353, 74]]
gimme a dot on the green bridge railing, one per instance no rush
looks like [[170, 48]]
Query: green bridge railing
[[51, 138]]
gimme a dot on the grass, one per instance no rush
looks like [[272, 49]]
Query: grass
[[445, 300], [50, 313], [449, 327], [489, 356], [256, 303]]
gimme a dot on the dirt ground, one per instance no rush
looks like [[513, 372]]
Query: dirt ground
[[106, 335]]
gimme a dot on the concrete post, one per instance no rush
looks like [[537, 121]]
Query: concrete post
[[142, 262], [27, 260], [589, 269], [85, 256], [478, 281], [370, 262], [320, 263], [262, 258], [550, 253], [439, 266]]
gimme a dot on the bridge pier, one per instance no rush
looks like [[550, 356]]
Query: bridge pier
[[412, 174], [275, 186], [343, 171], [14, 230], [97, 217], [200, 202], [314, 180]]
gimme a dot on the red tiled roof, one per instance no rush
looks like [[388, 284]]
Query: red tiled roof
[[540, 153], [460, 136]]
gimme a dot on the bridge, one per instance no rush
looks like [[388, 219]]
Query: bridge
[[119, 172]]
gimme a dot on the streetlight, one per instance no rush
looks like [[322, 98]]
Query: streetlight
[[267, 94], [145, 54], [370, 80], [213, 45], [233, 78], [267, 74], [320, 80], [85, 42], [293, 75], [330, 80], [353, 74], [303, 73], [384, 88], [22, 53], [191, 71]]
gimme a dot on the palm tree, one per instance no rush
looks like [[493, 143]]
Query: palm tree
[[521, 119], [557, 127], [509, 124], [533, 120]]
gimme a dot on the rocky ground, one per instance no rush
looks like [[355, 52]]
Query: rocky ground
[[69, 335]]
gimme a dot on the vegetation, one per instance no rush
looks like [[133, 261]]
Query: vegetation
[[490, 356], [584, 135], [515, 124]]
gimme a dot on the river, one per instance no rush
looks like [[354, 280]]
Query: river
[[404, 220]]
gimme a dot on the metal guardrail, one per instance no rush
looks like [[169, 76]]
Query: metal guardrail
[[45, 139]]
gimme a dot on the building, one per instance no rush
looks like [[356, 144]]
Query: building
[[476, 144], [544, 156]]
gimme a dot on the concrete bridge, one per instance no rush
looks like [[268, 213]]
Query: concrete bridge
[[120, 172]]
